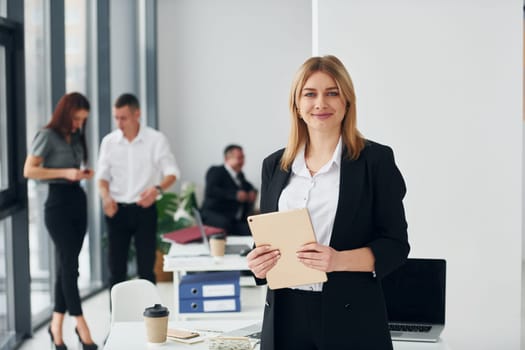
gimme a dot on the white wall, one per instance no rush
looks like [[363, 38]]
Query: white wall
[[441, 83], [438, 81], [225, 68]]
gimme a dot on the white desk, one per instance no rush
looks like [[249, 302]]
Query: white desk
[[132, 336], [182, 258]]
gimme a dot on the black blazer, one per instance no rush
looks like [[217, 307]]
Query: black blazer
[[369, 213], [220, 194]]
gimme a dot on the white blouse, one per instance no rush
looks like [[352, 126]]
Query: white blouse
[[318, 193]]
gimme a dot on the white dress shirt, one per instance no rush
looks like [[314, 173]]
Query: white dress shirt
[[318, 193], [132, 167]]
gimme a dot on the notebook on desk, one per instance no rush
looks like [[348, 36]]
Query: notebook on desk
[[190, 234], [415, 300]]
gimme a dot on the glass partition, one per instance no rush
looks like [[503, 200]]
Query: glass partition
[[38, 107]]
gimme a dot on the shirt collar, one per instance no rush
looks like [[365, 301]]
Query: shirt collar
[[139, 137], [230, 171], [299, 163]]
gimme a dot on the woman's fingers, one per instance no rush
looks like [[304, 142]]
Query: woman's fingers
[[262, 259]]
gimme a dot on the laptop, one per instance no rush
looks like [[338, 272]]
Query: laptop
[[252, 331], [235, 249], [415, 300]]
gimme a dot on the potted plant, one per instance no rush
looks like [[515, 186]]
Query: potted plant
[[173, 213]]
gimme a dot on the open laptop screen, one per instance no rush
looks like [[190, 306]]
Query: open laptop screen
[[415, 292]]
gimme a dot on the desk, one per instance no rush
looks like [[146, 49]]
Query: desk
[[132, 336], [183, 258]]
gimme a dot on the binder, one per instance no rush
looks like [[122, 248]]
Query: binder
[[210, 305], [210, 285]]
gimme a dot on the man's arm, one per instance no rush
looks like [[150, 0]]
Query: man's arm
[[167, 181], [109, 205], [149, 195]]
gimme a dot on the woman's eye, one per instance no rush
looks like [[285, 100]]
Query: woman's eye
[[333, 93], [309, 94]]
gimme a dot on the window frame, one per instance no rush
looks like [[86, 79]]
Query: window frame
[[10, 198]]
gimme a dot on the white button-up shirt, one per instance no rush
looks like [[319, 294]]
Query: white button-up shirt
[[318, 193], [132, 167]]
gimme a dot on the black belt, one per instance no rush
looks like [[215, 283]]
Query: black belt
[[128, 205]]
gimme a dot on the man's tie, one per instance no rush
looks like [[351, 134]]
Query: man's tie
[[240, 179]]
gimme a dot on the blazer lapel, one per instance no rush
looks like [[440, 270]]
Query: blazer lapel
[[279, 180], [350, 187]]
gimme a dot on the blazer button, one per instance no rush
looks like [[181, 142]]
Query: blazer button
[[267, 303], [347, 307]]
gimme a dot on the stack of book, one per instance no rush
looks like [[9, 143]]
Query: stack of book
[[210, 292]]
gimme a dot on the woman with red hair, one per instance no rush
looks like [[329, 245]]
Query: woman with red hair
[[59, 157]]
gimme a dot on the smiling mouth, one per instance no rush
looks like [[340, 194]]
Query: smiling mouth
[[323, 116]]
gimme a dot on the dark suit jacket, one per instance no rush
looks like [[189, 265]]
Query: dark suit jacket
[[220, 196], [369, 213]]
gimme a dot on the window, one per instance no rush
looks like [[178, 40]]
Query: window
[[76, 45], [3, 8], [4, 160], [6, 314], [38, 107]]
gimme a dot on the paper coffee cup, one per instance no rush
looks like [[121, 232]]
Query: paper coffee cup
[[156, 321], [217, 245]]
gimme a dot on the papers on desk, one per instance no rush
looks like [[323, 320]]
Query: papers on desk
[[203, 335], [218, 342]]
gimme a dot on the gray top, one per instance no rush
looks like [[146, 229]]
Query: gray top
[[56, 152]]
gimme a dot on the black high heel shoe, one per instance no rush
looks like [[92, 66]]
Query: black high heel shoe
[[57, 346], [85, 346]]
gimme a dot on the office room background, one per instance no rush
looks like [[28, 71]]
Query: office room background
[[440, 82]]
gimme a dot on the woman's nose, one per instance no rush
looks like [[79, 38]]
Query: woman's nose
[[320, 103]]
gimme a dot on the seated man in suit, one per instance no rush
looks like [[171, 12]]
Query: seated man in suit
[[228, 197]]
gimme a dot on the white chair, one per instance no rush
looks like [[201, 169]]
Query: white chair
[[130, 298]]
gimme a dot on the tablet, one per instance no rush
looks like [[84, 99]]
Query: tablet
[[286, 231]]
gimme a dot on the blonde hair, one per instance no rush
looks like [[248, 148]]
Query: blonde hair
[[352, 138]]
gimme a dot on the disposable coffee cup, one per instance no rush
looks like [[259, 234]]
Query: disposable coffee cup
[[156, 321], [217, 245]]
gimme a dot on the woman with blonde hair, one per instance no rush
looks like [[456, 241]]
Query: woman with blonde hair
[[353, 191]]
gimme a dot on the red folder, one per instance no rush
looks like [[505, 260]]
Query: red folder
[[191, 234]]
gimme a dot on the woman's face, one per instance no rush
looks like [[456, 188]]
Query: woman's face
[[79, 117], [321, 106]]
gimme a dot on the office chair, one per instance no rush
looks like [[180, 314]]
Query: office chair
[[130, 298]]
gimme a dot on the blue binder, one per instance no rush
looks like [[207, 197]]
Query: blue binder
[[208, 305], [210, 285]]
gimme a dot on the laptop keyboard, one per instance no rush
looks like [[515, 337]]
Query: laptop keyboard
[[410, 328]]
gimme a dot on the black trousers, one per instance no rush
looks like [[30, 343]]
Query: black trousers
[[65, 216], [298, 320], [141, 224]]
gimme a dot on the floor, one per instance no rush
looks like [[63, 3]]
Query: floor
[[96, 310]]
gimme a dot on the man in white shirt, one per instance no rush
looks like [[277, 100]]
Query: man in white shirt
[[135, 166]]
